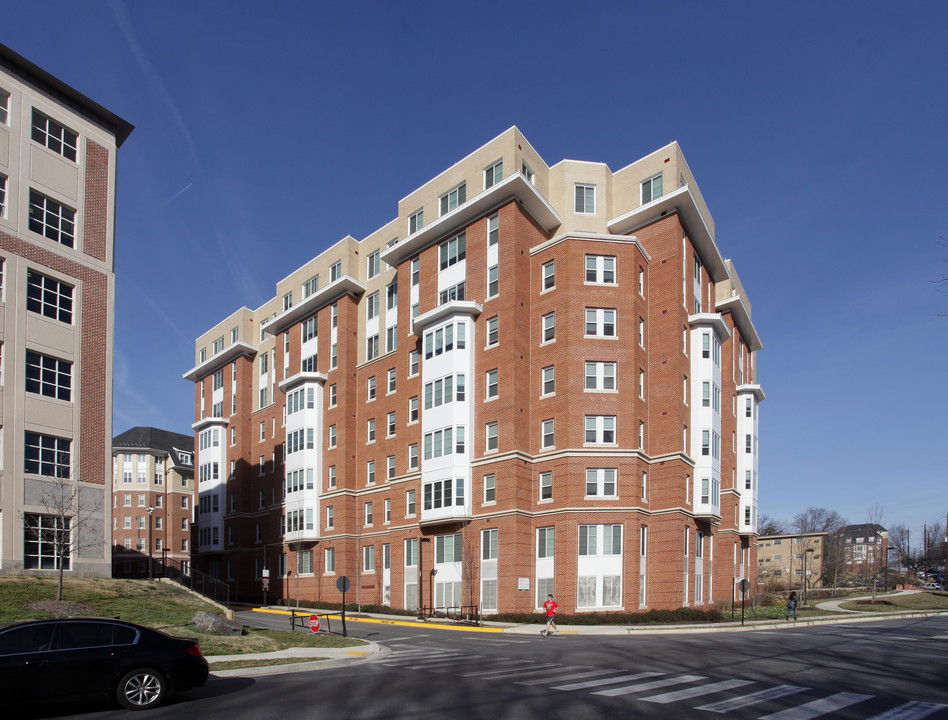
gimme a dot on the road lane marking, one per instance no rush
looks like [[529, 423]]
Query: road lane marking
[[819, 707], [570, 675], [520, 673], [753, 699], [531, 663], [628, 690], [606, 681], [910, 711], [694, 692]]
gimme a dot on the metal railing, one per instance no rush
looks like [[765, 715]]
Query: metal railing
[[197, 581], [457, 613]]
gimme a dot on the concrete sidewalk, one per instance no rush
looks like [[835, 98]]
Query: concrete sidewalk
[[333, 657]]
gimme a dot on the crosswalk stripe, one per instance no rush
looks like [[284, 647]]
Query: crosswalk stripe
[[909, 711], [606, 681], [629, 689], [516, 672], [689, 693], [753, 699], [818, 707], [494, 671], [570, 675]]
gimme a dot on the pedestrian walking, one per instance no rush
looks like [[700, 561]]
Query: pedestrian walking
[[792, 605], [550, 606]]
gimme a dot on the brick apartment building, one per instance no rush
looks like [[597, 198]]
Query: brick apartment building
[[535, 379], [865, 549], [58, 152], [153, 480]]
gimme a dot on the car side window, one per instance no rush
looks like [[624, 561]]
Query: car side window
[[72, 635], [29, 639], [124, 635]]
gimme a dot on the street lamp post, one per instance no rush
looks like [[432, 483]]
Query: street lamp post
[[806, 579], [421, 575], [151, 511]]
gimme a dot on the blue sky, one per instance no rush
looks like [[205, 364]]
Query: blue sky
[[265, 132]]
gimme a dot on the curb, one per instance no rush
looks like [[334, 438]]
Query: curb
[[334, 657]]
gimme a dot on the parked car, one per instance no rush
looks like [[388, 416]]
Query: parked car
[[931, 586], [84, 656]]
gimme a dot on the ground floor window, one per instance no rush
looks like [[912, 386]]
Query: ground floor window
[[45, 539]]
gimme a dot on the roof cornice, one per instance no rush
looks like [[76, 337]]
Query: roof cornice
[[738, 309], [514, 187], [346, 285], [229, 353], [682, 202]]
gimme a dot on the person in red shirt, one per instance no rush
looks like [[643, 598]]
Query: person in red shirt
[[550, 606]]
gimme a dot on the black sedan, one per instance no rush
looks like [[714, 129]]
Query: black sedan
[[72, 657]]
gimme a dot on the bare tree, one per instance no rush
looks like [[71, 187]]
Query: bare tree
[[941, 284], [900, 541], [768, 525], [69, 524], [817, 520], [874, 514]]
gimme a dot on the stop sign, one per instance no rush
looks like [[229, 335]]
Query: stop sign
[[314, 623]]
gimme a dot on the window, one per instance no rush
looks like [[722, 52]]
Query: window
[[491, 384], [372, 306], [368, 558], [546, 486], [372, 347], [413, 363], [451, 199], [601, 429], [453, 251], [492, 333], [45, 539], [493, 228], [332, 436], [601, 269], [330, 517], [601, 376], [368, 513], [3, 197], [494, 174], [590, 536], [490, 488], [391, 338], [601, 482], [642, 332], [545, 541], [491, 437], [548, 328], [335, 271], [455, 292], [47, 455], [370, 430], [416, 221], [288, 301], [370, 389], [374, 264], [370, 472], [641, 383], [547, 434], [413, 409], [585, 199], [410, 503], [4, 106], [390, 425], [548, 276], [641, 281], [48, 297], [493, 284], [51, 134], [390, 467], [415, 270], [548, 380], [52, 220], [652, 189], [600, 322], [391, 295], [48, 376], [413, 456], [311, 286], [443, 493]]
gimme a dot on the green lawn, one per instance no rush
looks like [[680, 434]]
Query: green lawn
[[926, 600], [159, 605]]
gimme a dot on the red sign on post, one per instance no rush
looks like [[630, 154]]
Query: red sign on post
[[314, 623]]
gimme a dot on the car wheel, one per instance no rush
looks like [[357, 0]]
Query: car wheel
[[141, 689]]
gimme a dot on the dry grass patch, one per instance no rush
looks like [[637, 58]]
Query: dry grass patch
[[928, 600]]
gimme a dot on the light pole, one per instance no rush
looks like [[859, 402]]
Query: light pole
[[151, 511], [421, 575], [806, 579]]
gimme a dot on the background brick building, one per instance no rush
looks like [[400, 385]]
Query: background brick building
[[534, 379]]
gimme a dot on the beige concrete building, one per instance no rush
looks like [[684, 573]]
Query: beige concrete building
[[58, 152], [152, 499], [782, 560]]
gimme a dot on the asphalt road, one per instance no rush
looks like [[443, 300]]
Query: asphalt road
[[892, 670]]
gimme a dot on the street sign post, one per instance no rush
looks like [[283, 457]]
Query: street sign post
[[314, 623], [342, 584], [745, 585]]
